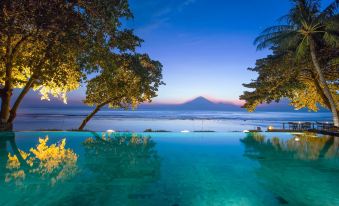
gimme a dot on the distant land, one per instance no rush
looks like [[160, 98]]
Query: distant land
[[199, 103], [202, 103]]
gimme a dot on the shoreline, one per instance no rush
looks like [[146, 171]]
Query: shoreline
[[336, 134]]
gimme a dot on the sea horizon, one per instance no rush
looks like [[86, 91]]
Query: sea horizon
[[42, 118]]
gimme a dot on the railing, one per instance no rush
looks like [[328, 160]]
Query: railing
[[320, 127], [300, 126]]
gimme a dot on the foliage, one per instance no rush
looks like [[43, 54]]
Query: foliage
[[130, 80], [290, 72], [282, 76], [304, 21], [52, 45], [36, 43]]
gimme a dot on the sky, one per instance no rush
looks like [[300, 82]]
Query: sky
[[205, 46]]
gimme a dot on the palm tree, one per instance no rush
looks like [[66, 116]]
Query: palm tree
[[306, 30]]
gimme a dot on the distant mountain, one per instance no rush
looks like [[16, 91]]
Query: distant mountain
[[202, 103], [199, 103]]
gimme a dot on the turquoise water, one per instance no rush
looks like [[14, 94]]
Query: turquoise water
[[174, 169]]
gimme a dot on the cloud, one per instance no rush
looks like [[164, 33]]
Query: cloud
[[155, 24], [162, 15], [185, 4]]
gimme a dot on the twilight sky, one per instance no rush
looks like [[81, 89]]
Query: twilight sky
[[205, 46]]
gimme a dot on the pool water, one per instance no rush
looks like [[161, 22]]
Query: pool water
[[174, 169]]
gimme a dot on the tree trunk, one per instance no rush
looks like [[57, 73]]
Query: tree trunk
[[5, 104], [6, 93], [89, 117], [323, 84], [6, 97], [18, 101], [321, 93]]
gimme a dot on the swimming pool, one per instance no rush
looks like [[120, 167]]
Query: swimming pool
[[174, 169]]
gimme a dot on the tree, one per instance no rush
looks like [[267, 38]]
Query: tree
[[125, 82], [51, 45], [52, 76], [295, 81], [31, 34], [306, 31]]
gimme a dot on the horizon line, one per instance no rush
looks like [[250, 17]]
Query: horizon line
[[236, 102]]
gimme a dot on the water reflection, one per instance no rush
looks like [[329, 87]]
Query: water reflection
[[8, 138], [114, 156], [303, 146], [106, 170], [118, 169], [44, 164], [298, 170]]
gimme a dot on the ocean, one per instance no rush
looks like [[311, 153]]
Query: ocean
[[140, 120]]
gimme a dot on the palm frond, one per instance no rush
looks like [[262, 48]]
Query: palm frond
[[334, 62], [284, 40], [333, 23], [284, 19], [266, 41], [329, 11], [278, 28], [332, 38], [302, 48], [291, 41], [271, 35]]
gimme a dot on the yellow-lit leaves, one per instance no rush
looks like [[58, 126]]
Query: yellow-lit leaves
[[129, 81], [282, 76]]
